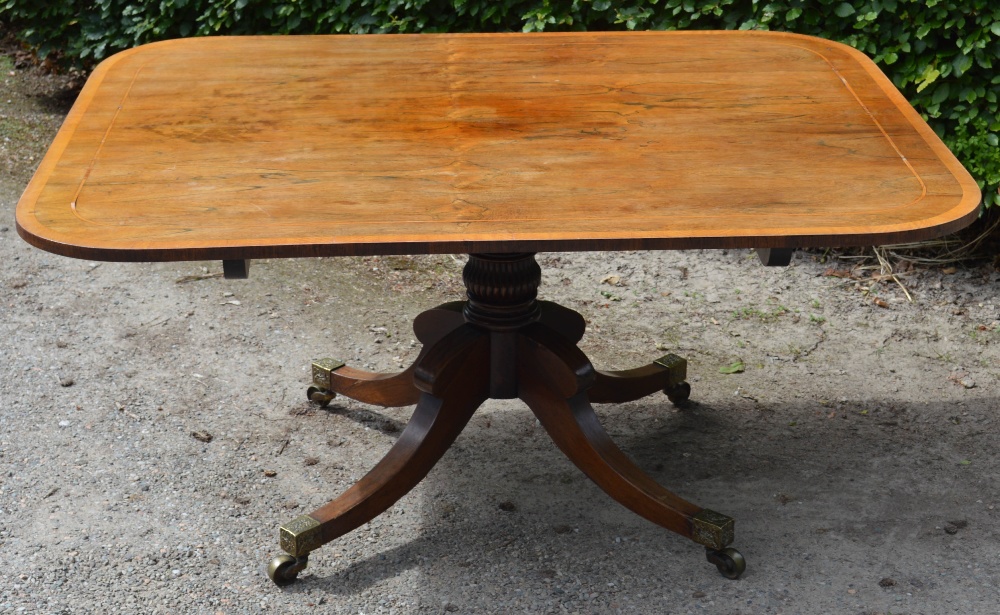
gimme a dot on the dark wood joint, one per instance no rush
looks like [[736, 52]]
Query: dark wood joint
[[775, 257], [236, 269]]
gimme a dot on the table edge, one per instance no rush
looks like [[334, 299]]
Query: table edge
[[585, 244]]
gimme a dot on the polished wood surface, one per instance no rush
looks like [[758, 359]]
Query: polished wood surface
[[458, 368], [253, 147], [395, 390]]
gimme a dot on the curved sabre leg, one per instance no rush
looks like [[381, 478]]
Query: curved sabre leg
[[666, 374], [559, 400], [436, 422], [391, 390]]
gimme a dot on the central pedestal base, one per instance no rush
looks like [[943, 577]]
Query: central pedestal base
[[502, 343]]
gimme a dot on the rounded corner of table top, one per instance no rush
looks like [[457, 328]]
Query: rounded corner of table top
[[41, 237], [967, 211], [152, 48], [814, 43], [44, 238]]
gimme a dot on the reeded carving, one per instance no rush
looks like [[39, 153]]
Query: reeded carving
[[502, 289]]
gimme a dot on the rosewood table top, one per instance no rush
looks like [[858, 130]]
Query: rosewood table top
[[256, 147]]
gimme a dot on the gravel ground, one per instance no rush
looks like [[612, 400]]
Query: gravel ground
[[154, 434]]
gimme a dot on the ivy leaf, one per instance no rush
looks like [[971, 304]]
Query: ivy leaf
[[930, 74], [736, 367], [961, 63], [941, 93], [844, 9], [993, 140]]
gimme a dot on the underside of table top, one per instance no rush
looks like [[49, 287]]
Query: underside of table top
[[257, 147]]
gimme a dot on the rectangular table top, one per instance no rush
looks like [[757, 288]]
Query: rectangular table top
[[255, 147]]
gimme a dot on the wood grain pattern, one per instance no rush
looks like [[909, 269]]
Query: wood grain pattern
[[256, 147]]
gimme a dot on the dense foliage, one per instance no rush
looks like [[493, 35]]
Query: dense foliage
[[943, 54]]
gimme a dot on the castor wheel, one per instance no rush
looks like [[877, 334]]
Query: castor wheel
[[679, 393], [284, 569], [729, 561], [320, 396]]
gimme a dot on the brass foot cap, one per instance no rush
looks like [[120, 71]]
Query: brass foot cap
[[300, 536], [712, 529], [321, 370], [677, 367]]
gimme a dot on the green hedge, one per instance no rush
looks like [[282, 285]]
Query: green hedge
[[943, 54]]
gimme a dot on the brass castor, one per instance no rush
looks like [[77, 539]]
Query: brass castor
[[678, 394], [729, 561], [284, 569], [320, 396]]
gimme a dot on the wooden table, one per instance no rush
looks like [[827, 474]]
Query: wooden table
[[499, 146]]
